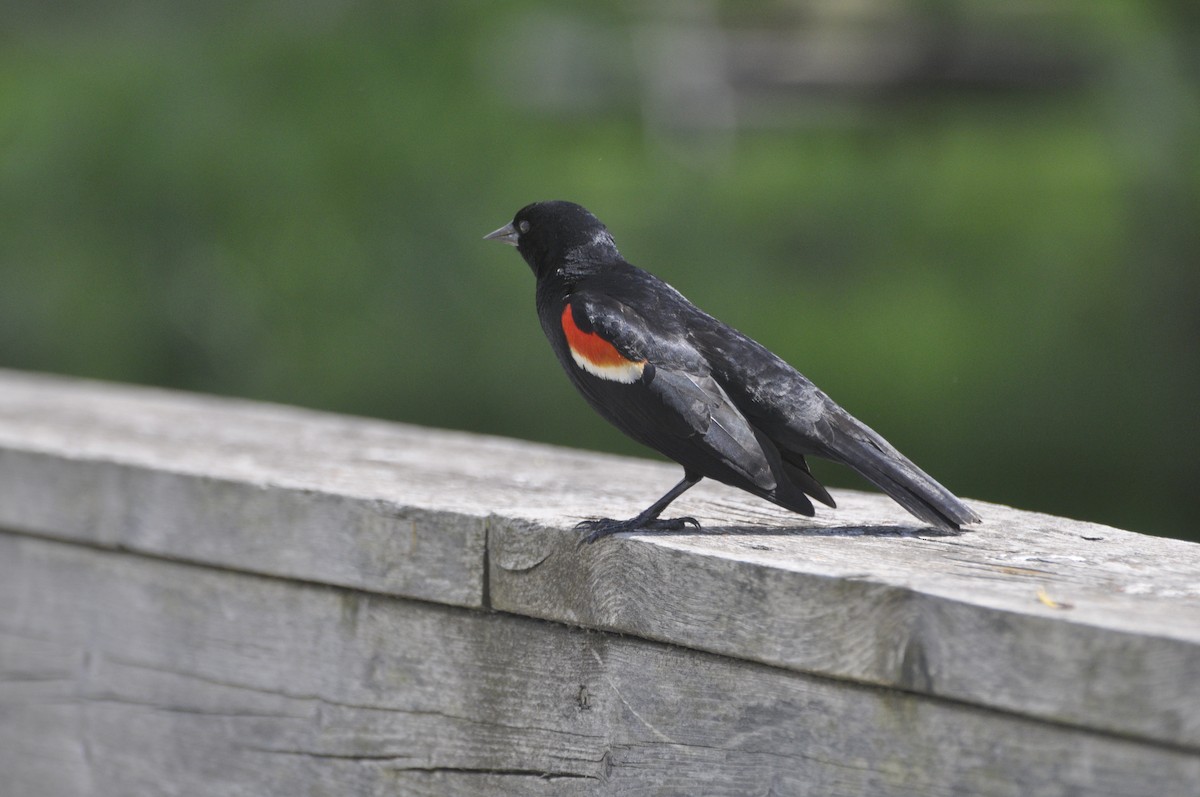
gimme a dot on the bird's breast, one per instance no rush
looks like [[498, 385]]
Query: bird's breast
[[596, 355]]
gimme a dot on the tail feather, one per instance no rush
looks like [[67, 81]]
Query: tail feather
[[860, 447], [796, 469]]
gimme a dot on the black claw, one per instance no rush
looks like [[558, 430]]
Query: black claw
[[597, 533], [603, 527]]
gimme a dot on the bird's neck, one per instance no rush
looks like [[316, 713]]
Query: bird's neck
[[579, 263], [566, 277]]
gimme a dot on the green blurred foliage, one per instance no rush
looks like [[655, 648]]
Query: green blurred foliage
[[285, 201]]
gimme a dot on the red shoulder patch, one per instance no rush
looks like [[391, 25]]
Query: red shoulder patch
[[596, 355]]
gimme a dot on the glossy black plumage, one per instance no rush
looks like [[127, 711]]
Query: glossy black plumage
[[693, 388]]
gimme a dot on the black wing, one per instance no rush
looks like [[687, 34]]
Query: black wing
[[680, 409], [800, 419]]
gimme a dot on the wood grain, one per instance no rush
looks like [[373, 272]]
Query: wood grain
[[127, 675], [1031, 623], [958, 617]]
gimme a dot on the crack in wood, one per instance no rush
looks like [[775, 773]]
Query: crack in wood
[[542, 774]]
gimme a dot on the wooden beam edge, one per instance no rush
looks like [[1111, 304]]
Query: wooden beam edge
[[1064, 621]]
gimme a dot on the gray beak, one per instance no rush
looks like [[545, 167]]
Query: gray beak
[[507, 234]]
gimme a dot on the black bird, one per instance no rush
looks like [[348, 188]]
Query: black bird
[[696, 390]]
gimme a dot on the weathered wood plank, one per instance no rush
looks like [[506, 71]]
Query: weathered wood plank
[[127, 675], [861, 593], [955, 616], [258, 487]]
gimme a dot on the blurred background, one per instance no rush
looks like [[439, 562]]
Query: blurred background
[[976, 225]]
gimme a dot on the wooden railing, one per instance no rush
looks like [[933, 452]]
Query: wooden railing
[[202, 596]]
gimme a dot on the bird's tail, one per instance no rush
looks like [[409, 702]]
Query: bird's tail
[[857, 445]]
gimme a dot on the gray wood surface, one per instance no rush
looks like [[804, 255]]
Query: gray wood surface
[[1039, 626], [253, 486], [956, 616], [128, 675]]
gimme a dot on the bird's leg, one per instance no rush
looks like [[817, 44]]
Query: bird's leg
[[648, 519]]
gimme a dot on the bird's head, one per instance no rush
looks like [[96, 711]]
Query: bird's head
[[555, 235]]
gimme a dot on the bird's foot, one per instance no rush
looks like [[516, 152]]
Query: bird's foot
[[602, 527]]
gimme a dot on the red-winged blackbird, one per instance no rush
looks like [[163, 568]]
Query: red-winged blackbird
[[696, 390]]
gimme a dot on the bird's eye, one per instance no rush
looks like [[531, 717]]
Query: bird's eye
[[523, 227]]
